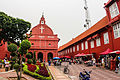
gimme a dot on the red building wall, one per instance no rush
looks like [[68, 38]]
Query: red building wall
[[107, 26]]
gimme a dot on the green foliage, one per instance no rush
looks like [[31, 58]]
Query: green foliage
[[42, 64], [29, 61], [8, 43], [34, 74], [13, 29], [28, 55], [34, 61], [12, 47], [21, 51], [37, 68], [25, 44], [16, 66], [23, 59], [13, 54], [0, 60], [31, 54], [14, 59]]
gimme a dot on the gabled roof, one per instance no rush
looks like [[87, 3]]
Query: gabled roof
[[99, 25]]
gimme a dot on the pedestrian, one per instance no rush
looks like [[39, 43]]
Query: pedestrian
[[49, 62], [108, 62], [94, 63], [69, 61], [60, 62], [4, 62], [0, 63], [6, 65], [117, 62], [103, 62]]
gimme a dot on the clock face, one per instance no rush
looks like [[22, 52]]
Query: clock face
[[42, 22]]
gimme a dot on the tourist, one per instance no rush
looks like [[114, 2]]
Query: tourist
[[103, 62], [108, 62], [117, 62], [0, 63], [80, 60], [94, 62], [4, 61], [60, 62], [6, 65], [69, 61], [49, 62]]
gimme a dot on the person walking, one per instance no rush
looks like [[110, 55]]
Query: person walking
[[94, 62], [6, 65], [49, 62], [103, 62], [0, 63]]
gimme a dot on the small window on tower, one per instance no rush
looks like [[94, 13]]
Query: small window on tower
[[49, 44], [42, 22]]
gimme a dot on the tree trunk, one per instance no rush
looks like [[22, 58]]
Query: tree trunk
[[21, 66], [18, 77]]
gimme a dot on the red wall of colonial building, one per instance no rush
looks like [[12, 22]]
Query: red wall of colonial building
[[106, 24], [44, 42], [3, 50]]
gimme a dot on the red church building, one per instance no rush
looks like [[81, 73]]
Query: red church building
[[43, 41], [101, 36]]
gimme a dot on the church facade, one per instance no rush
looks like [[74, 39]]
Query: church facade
[[43, 41], [101, 36]]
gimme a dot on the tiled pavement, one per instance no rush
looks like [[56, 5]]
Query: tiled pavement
[[97, 74], [5, 75], [57, 74]]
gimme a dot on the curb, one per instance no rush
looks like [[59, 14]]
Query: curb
[[7, 71]]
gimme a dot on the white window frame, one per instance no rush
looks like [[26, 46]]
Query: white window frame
[[106, 38], [74, 49], [116, 30], [77, 47], [71, 50], [86, 44], [68, 50], [82, 46], [98, 43], [92, 43], [114, 11]]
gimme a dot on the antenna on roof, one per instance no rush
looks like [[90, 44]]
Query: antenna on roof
[[87, 20]]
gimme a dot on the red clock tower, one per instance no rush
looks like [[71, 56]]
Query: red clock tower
[[43, 41]]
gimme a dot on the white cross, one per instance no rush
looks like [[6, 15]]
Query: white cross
[[41, 29]]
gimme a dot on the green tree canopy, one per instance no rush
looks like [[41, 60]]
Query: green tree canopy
[[12, 47], [13, 29]]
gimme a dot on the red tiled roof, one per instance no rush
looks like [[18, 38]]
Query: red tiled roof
[[99, 25]]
